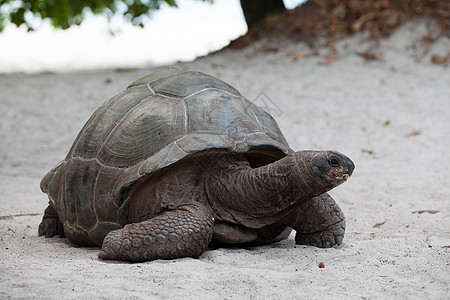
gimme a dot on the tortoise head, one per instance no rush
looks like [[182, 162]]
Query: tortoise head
[[328, 168]]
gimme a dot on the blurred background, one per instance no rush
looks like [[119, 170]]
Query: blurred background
[[369, 78], [169, 34]]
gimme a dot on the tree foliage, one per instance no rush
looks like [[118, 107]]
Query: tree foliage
[[65, 13]]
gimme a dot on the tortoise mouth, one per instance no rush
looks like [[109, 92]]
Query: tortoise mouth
[[344, 177], [339, 174]]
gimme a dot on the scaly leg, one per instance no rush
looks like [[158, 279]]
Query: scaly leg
[[184, 232], [320, 223]]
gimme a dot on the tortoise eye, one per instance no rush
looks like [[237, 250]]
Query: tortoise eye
[[333, 161]]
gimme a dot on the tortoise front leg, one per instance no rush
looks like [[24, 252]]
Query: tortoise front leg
[[320, 222], [51, 225], [184, 232]]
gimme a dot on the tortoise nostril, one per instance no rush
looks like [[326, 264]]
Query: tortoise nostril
[[350, 167]]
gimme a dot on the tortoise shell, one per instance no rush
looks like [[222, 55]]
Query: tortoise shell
[[155, 122]]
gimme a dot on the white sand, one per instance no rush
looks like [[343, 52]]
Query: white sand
[[389, 250]]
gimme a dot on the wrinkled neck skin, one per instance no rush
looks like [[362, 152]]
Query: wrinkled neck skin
[[256, 197]]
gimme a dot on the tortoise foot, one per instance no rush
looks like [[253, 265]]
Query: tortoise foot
[[50, 225], [185, 232], [332, 236], [321, 223]]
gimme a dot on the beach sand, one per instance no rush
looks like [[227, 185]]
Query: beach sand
[[391, 116]]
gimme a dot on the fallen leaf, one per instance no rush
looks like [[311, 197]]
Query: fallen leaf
[[414, 133], [368, 151], [426, 40], [298, 56], [369, 55], [13, 165], [440, 60], [357, 25], [329, 59], [267, 47], [386, 123]]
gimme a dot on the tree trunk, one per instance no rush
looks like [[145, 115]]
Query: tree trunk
[[256, 10]]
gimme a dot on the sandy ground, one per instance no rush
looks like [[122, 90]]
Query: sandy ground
[[392, 117]]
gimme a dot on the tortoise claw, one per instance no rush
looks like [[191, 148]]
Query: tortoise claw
[[50, 227], [111, 245], [50, 230]]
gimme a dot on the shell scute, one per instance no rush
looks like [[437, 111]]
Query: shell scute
[[84, 175], [104, 120], [106, 209], [147, 128], [215, 113], [156, 75], [186, 84]]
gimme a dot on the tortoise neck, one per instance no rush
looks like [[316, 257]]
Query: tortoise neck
[[256, 197]]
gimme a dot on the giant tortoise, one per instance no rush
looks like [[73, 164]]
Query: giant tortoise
[[181, 159]]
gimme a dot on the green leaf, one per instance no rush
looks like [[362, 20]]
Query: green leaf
[[66, 13]]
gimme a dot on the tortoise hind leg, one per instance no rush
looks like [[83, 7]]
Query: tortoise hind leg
[[184, 232], [320, 222], [50, 224]]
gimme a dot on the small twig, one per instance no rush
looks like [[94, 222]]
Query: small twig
[[430, 211], [19, 215], [378, 225]]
